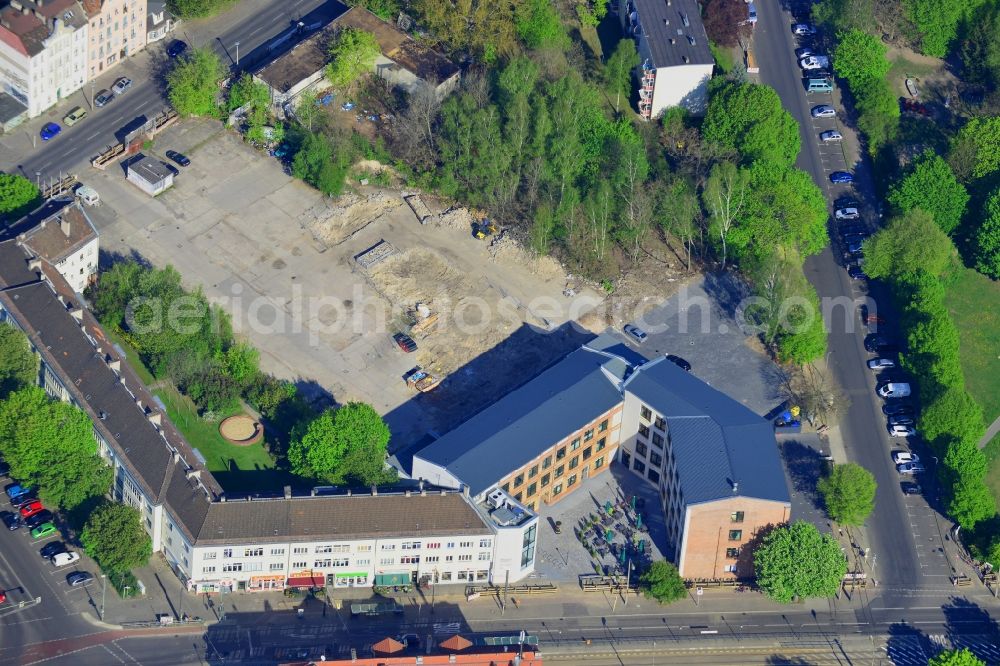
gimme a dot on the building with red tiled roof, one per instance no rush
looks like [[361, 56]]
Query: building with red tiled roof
[[43, 48]]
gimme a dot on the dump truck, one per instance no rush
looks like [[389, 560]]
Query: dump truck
[[421, 380]]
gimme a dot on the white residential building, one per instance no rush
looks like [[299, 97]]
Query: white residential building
[[117, 31], [43, 51], [214, 541], [68, 241], [675, 63]]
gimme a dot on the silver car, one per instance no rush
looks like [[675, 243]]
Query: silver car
[[635, 333], [824, 111], [831, 136]]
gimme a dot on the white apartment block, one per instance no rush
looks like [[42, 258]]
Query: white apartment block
[[117, 30], [69, 242], [675, 63], [271, 540], [43, 51]]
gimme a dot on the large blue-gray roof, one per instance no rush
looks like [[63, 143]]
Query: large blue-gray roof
[[523, 424], [716, 441]]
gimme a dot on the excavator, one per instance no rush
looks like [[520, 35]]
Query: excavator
[[482, 226]]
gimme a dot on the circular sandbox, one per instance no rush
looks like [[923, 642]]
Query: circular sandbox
[[241, 430]]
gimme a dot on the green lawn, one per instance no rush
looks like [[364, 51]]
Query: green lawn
[[235, 467], [992, 452], [972, 300]]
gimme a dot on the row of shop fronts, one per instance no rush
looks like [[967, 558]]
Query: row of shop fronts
[[304, 580]]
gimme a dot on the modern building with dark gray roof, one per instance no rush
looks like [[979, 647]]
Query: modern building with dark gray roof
[[579, 390], [675, 63], [715, 463], [215, 541]]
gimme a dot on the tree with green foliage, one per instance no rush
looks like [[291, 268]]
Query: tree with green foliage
[[113, 535], [931, 185], [878, 113], [979, 47], [241, 362], [485, 28], [591, 12], [975, 150], [748, 119], [17, 194], [266, 393], [247, 92], [353, 53], [189, 9], [796, 562], [193, 83], [784, 206], [970, 501], [316, 163], [937, 22], [724, 197], [347, 444], [18, 364], [50, 445], [618, 72], [539, 25], [961, 657], [953, 414], [848, 493], [860, 57], [910, 243], [987, 244], [662, 581], [387, 10], [803, 339]]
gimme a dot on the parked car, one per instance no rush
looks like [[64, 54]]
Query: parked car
[[847, 213], [78, 578], [824, 111], [635, 333], [75, 115], [900, 457], [50, 549], [679, 362], [49, 131], [31, 509], [831, 136], [64, 559], [894, 390], [171, 168], [14, 490], [803, 52], [176, 48], [846, 202], [910, 468], [4, 468], [897, 408], [178, 157], [909, 487], [875, 342], [901, 431], [855, 273], [40, 518], [122, 85], [43, 530], [102, 97], [881, 363], [841, 177], [902, 419], [814, 62], [3, 596], [855, 246], [405, 342], [22, 500], [803, 29], [11, 520], [853, 233]]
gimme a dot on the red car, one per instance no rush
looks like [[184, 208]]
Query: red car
[[3, 596], [28, 510]]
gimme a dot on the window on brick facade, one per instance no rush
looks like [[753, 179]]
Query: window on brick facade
[[547, 462], [736, 517], [574, 462], [601, 443], [587, 451], [571, 480], [531, 490], [735, 535], [545, 479], [599, 462], [603, 427], [589, 435], [556, 489], [575, 444], [533, 472], [560, 470], [518, 480], [732, 553], [561, 453]]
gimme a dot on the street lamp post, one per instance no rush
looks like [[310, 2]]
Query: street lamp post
[[237, 54], [38, 179], [104, 593]]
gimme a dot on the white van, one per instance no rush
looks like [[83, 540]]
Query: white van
[[62, 559], [894, 390], [88, 195]]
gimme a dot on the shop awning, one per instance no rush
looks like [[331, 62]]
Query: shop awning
[[356, 574], [392, 579], [307, 581]]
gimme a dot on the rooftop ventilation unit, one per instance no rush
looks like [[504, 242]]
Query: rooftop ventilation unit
[[495, 499]]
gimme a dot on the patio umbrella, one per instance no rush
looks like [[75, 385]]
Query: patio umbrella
[[609, 535], [642, 546], [622, 555], [638, 521], [608, 508], [632, 502]]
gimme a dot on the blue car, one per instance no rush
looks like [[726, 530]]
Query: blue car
[[49, 131], [16, 490], [841, 177]]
